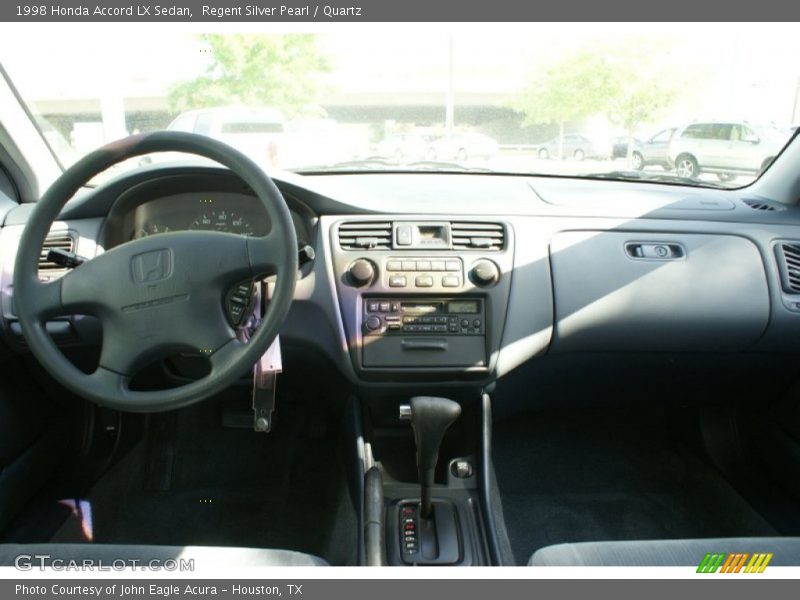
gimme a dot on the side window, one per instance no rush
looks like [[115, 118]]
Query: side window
[[662, 136], [721, 132], [698, 131], [203, 124], [742, 133], [184, 123]]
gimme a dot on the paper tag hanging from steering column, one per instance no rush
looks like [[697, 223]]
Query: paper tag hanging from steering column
[[265, 379]]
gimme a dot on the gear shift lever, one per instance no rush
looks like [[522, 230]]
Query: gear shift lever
[[430, 418]]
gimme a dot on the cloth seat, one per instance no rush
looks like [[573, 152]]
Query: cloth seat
[[664, 553]]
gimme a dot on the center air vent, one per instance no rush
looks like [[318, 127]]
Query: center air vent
[[478, 236], [788, 255], [61, 240], [365, 235]]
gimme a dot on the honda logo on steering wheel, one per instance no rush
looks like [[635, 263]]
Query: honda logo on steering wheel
[[152, 266]]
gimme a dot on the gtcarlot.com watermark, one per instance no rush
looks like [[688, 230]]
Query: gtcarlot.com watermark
[[30, 562]]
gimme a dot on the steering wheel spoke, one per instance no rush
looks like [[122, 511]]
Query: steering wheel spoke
[[45, 300], [265, 254]]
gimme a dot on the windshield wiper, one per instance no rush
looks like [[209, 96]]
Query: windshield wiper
[[381, 164], [656, 177]]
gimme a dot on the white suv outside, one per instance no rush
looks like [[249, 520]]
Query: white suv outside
[[727, 149]]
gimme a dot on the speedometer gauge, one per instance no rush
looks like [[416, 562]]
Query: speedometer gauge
[[222, 220], [151, 228]]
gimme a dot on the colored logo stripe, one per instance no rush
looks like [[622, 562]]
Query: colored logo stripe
[[734, 562], [710, 563]]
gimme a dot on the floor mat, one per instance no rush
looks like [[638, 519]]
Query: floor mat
[[592, 475], [235, 487]]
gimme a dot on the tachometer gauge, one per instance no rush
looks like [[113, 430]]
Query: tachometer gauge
[[222, 220]]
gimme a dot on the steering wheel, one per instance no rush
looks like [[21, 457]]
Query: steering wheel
[[160, 294]]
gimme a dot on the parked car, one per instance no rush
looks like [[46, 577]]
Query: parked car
[[654, 151], [404, 147], [725, 148], [576, 146], [462, 146], [619, 146], [255, 131]]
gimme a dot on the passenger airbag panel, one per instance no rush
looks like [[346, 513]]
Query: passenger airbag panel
[[714, 298]]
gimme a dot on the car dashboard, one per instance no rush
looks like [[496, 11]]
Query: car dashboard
[[458, 279]]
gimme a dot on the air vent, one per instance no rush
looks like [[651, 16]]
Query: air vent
[[788, 254], [62, 240], [763, 205], [478, 236], [365, 235]]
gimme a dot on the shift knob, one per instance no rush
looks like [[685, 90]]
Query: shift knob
[[430, 418]]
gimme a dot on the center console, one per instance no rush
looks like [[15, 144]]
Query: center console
[[422, 296]]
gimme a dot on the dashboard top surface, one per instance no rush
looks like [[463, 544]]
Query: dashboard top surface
[[451, 194]]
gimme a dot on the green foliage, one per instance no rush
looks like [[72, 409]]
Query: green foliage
[[279, 71], [644, 82], [630, 82], [574, 87]]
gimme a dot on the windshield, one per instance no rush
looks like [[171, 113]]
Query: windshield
[[706, 104]]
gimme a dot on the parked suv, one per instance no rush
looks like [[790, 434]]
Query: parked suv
[[727, 149]]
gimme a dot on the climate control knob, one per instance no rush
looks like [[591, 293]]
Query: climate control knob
[[484, 273], [362, 272]]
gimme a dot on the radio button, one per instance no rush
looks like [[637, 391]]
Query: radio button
[[440, 328], [451, 281], [404, 235], [409, 265], [373, 307], [423, 265], [453, 327], [395, 307], [385, 307], [437, 265], [397, 281], [453, 265], [394, 265], [424, 281]]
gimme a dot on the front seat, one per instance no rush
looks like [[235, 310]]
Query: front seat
[[664, 553], [34, 555]]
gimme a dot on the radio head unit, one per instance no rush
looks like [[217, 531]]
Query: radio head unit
[[443, 316]]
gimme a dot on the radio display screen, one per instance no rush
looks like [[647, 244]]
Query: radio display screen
[[463, 306]]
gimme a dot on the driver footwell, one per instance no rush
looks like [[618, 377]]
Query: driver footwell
[[206, 484]]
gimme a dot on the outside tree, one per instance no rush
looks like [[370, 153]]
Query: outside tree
[[279, 71], [627, 81], [643, 86], [574, 87]]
